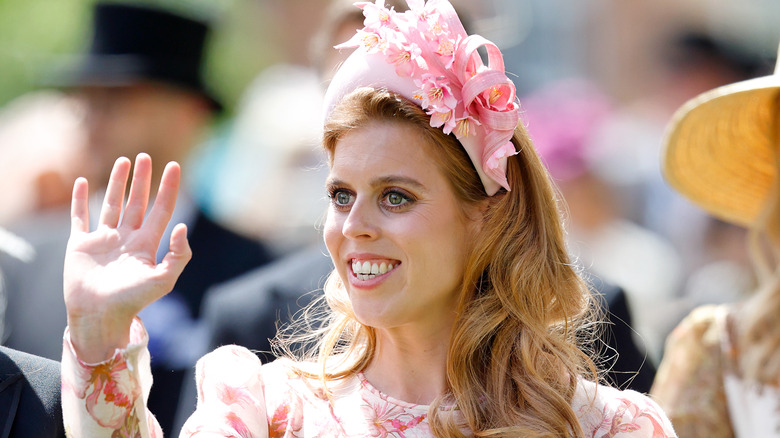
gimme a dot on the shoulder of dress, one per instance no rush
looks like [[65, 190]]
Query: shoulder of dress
[[703, 324], [706, 314], [231, 353], [603, 407], [229, 362]]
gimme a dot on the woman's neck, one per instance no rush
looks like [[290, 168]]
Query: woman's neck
[[410, 366]]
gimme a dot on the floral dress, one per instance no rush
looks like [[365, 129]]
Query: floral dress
[[700, 386], [241, 398]]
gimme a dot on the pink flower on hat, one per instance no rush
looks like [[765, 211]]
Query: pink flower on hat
[[405, 56], [439, 101], [371, 41], [377, 15], [436, 93], [446, 46], [465, 126]]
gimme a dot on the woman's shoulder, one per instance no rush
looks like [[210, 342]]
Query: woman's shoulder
[[228, 367], [700, 334], [703, 321], [605, 411], [237, 362], [284, 377]]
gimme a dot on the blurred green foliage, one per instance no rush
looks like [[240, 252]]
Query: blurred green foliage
[[36, 36]]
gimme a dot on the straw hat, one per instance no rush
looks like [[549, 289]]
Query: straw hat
[[722, 148]]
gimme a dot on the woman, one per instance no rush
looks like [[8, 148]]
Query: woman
[[453, 309], [720, 376]]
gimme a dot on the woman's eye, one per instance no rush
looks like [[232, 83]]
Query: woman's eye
[[342, 198], [396, 199]]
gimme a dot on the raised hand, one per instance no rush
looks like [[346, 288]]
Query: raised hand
[[112, 273]]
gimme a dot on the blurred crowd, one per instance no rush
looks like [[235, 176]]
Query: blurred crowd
[[598, 82]]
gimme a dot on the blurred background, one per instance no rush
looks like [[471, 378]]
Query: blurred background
[[615, 43], [598, 80]]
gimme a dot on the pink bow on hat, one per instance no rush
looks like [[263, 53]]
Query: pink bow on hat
[[425, 55]]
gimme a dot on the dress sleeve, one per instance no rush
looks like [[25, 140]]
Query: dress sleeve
[[231, 400], [689, 382], [634, 415], [108, 399], [607, 412]]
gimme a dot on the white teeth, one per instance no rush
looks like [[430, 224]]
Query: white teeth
[[367, 270]]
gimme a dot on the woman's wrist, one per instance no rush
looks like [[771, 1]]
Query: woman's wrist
[[96, 339]]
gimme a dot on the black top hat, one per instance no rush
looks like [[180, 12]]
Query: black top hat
[[132, 43]]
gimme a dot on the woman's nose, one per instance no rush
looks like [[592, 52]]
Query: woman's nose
[[361, 221]]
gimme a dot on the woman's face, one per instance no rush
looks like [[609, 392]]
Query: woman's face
[[395, 230]]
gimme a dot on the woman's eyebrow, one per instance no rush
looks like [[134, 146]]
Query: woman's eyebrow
[[334, 182], [381, 181], [397, 179]]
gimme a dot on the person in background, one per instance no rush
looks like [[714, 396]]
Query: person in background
[[141, 86], [720, 375], [29, 396], [41, 149], [453, 308], [30, 403]]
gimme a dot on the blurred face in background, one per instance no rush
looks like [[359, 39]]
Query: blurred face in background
[[123, 121]]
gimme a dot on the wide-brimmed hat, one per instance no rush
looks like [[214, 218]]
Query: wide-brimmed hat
[[134, 43], [722, 148]]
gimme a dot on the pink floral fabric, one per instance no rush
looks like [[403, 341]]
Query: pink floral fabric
[[238, 397]]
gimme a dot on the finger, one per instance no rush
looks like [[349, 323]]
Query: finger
[[165, 201], [115, 193], [79, 207], [172, 265], [135, 210]]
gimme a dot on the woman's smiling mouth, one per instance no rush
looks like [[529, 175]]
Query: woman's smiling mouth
[[370, 269]]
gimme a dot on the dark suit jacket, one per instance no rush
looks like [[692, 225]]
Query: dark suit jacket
[[29, 396], [218, 255]]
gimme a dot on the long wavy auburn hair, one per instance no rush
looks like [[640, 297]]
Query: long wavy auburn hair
[[514, 356]]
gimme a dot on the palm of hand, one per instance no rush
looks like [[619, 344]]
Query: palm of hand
[[111, 274], [109, 265]]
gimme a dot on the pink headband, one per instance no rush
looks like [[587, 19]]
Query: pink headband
[[425, 55]]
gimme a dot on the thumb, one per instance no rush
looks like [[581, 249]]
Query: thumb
[[179, 253]]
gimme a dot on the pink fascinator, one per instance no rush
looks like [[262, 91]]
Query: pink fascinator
[[425, 55]]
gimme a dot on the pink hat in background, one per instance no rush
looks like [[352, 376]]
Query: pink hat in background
[[561, 118]]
